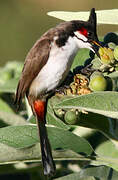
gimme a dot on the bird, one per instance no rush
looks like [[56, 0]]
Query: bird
[[45, 68]]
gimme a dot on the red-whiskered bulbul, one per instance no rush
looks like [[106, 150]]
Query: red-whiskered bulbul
[[47, 65]]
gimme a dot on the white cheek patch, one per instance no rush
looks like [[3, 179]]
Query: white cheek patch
[[80, 36], [82, 41]]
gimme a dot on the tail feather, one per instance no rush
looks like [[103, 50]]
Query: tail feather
[[39, 107], [47, 159]]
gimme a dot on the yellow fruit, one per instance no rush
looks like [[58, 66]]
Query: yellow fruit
[[106, 55]]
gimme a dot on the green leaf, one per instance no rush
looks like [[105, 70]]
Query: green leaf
[[107, 149], [18, 136], [113, 74], [99, 122], [32, 119], [103, 16], [60, 138], [4, 106], [95, 121], [10, 155], [104, 103], [114, 78], [80, 58], [25, 136], [75, 176], [12, 119], [107, 155], [9, 86], [99, 172], [16, 68]]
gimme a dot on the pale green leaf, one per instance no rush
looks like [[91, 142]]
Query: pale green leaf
[[107, 149], [75, 176], [104, 103], [103, 16], [99, 172], [12, 118], [4, 106], [9, 86], [80, 58], [107, 155], [27, 135], [10, 155]]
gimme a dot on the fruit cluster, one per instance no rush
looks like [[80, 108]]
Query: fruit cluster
[[79, 86], [95, 75], [108, 60], [68, 116]]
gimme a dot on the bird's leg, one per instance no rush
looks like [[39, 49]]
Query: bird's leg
[[47, 159], [61, 89], [87, 70]]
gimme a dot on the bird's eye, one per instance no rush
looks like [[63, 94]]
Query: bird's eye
[[89, 34]]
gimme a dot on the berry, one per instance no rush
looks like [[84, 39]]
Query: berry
[[71, 117], [97, 82]]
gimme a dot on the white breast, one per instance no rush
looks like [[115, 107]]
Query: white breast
[[56, 68]]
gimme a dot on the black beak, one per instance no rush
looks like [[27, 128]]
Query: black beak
[[95, 46]]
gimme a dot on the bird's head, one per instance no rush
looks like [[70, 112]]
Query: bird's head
[[85, 33]]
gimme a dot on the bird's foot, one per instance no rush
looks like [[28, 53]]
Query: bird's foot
[[61, 90]]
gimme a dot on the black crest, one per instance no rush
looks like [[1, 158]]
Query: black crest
[[92, 19]]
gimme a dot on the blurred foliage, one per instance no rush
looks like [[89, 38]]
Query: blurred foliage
[[22, 22]]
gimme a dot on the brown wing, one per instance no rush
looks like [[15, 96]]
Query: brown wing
[[35, 60]]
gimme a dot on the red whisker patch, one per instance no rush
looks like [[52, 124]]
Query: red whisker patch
[[83, 31]]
